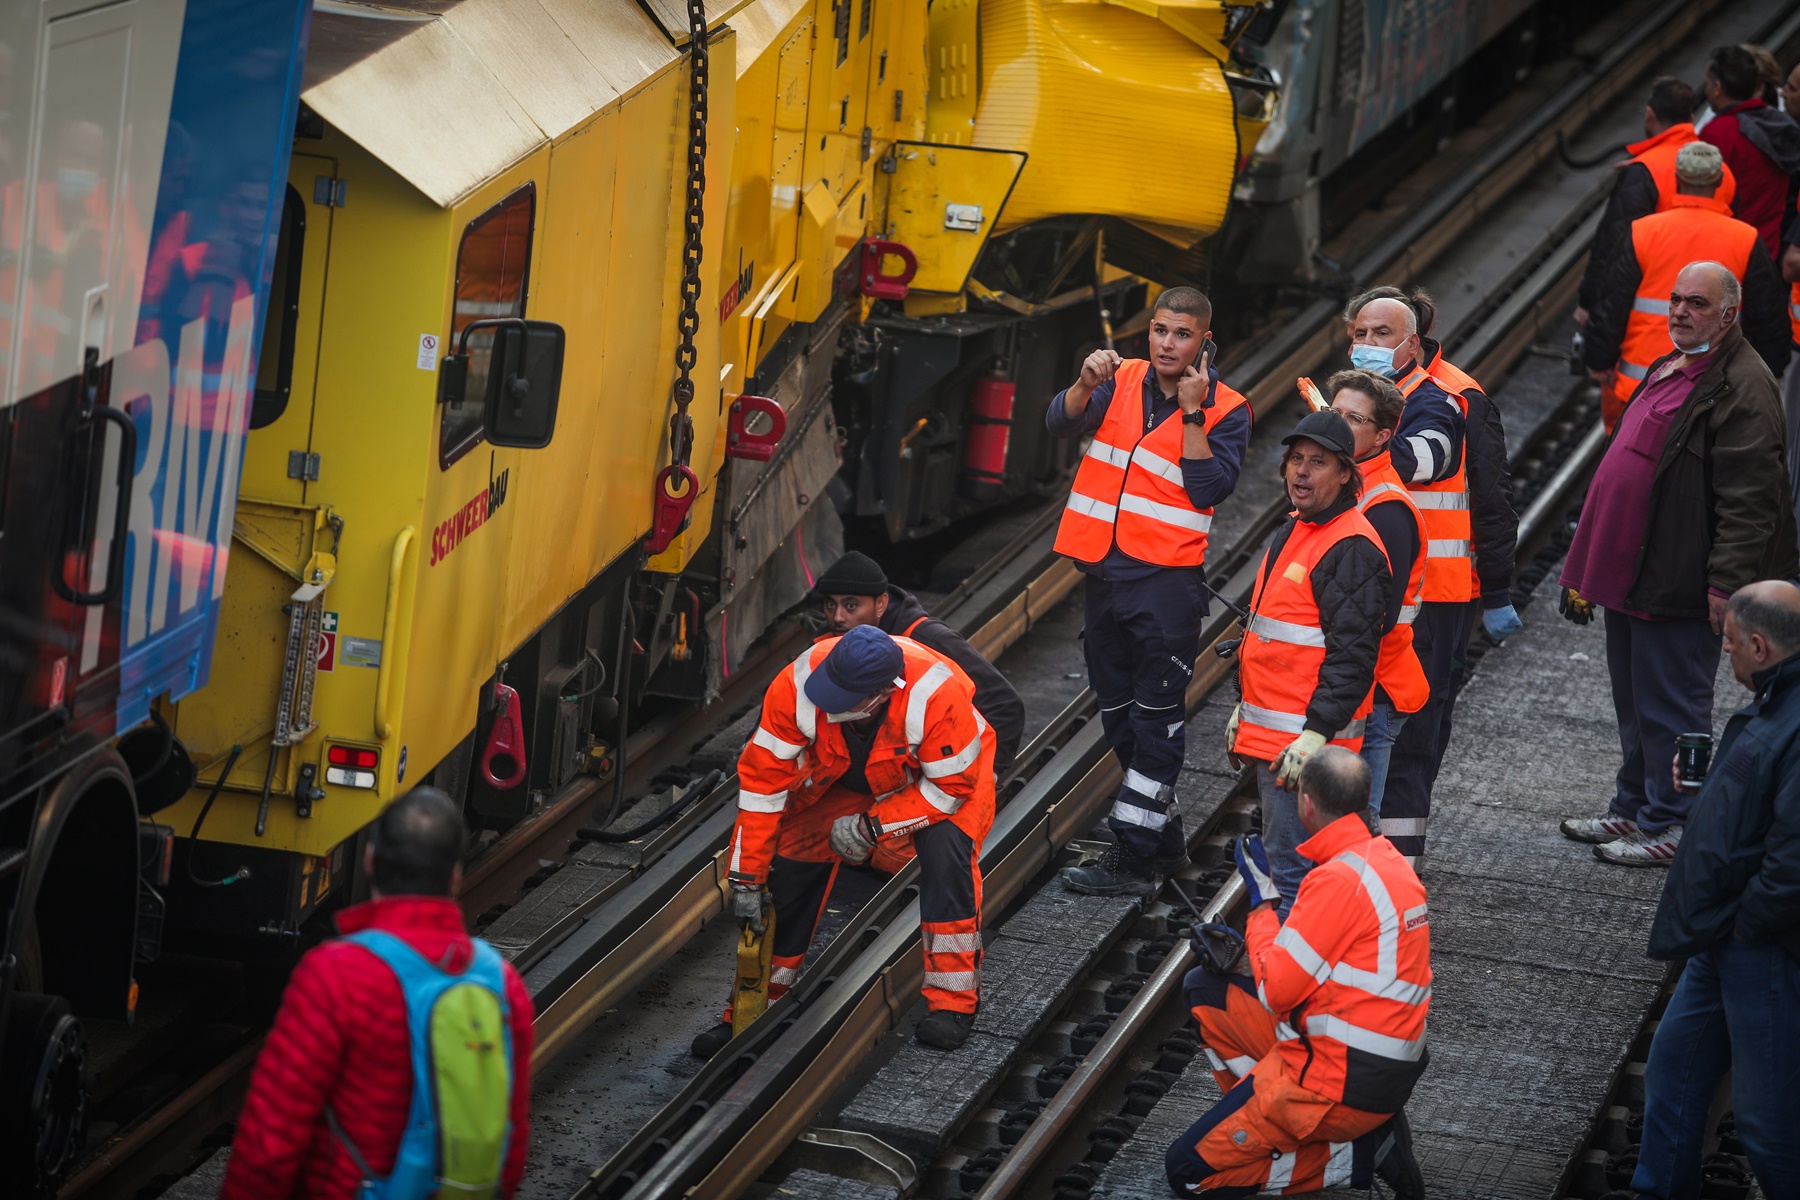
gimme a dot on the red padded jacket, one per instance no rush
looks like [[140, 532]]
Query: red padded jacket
[[340, 1039]]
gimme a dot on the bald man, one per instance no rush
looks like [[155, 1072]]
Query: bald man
[[1689, 504], [1731, 908]]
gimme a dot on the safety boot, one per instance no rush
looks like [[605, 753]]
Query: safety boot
[[945, 1030], [1395, 1162], [711, 1041], [1119, 873]]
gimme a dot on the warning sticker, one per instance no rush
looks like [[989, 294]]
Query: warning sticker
[[327, 653], [428, 351], [362, 652]]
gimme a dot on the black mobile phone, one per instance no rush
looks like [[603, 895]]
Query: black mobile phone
[[1208, 353]]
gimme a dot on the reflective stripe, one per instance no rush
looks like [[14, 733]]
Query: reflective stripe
[[1168, 514], [763, 802], [1127, 813], [1428, 499], [1106, 452], [785, 976], [779, 747], [1271, 630], [901, 827], [951, 943], [1087, 506], [1794, 311], [1425, 465], [1156, 464], [1342, 1163], [1631, 370], [1377, 490], [953, 981], [1294, 723], [1281, 1171], [1408, 614], [1657, 308], [918, 696], [1447, 548], [1384, 981], [806, 713], [938, 798], [1298, 949], [1143, 785], [1326, 1025], [956, 763], [737, 852], [1403, 827], [1240, 1066]]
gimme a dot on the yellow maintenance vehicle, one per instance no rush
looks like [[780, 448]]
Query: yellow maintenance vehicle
[[592, 322]]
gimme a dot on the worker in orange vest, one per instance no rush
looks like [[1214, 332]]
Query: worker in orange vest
[[869, 750], [1644, 183], [1372, 406], [1317, 1049], [1307, 661], [1629, 327], [1168, 441], [854, 591]]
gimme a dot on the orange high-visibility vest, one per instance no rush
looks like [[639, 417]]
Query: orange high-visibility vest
[[1459, 383], [1284, 644], [932, 759], [1657, 154], [1695, 228], [1399, 671], [1129, 486], [1348, 975], [1449, 533]]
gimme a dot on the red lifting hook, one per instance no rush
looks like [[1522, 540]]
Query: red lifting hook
[[741, 443], [882, 286], [672, 504], [503, 762]]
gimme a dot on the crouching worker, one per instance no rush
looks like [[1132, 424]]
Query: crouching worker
[[337, 1104], [1318, 1049], [870, 749]]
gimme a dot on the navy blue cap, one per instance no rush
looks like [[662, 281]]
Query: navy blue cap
[[864, 661]]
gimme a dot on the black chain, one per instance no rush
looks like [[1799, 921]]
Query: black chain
[[681, 426]]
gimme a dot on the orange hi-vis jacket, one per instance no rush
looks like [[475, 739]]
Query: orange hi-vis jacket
[[1459, 383], [1657, 155], [1444, 505], [1692, 229], [1793, 297], [1398, 672], [932, 759], [1129, 486], [1348, 976], [1284, 645]]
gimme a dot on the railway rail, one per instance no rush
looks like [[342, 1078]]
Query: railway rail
[[758, 1095]]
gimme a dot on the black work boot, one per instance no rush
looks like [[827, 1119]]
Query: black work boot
[[1119, 873], [945, 1030], [711, 1041], [1395, 1162]]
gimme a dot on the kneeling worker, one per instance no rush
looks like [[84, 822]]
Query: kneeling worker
[[855, 591], [1306, 664], [869, 750], [1318, 1049]]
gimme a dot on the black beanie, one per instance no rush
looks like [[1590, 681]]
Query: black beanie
[[855, 574]]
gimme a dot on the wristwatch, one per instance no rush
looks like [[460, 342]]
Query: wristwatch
[[1197, 417]]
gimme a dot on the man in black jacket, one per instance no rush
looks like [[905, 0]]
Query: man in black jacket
[[855, 591], [1731, 907]]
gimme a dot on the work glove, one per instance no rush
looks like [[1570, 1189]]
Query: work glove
[[1502, 622], [1253, 869], [853, 837], [748, 904], [1231, 728], [1575, 608], [1288, 763]]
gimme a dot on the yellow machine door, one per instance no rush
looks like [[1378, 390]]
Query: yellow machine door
[[943, 202], [278, 457]]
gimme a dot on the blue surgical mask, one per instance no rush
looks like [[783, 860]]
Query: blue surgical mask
[[1379, 359], [75, 185]]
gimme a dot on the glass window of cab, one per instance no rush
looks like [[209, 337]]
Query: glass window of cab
[[491, 269]]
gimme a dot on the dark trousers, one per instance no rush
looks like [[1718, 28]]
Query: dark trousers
[[1140, 637], [1662, 686], [1441, 637], [1733, 1010]]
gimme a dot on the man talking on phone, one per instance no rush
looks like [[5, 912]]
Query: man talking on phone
[[1168, 441]]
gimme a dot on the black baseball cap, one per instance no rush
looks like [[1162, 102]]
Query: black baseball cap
[[1326, 428]]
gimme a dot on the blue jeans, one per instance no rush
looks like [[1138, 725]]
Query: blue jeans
[[1383, 727], [1281, 833], [1733, 1010]]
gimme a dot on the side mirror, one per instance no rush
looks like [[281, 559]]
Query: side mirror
[[524, 380]]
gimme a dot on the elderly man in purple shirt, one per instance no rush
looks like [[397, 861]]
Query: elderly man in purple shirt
[[1689, 504]]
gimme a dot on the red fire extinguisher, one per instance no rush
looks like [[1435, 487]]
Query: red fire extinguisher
[[986, 436]]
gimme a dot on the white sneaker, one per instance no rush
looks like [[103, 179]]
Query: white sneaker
[[1607, 827], [1640, 849]]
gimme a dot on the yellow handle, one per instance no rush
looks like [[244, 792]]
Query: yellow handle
[[390, 620]]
